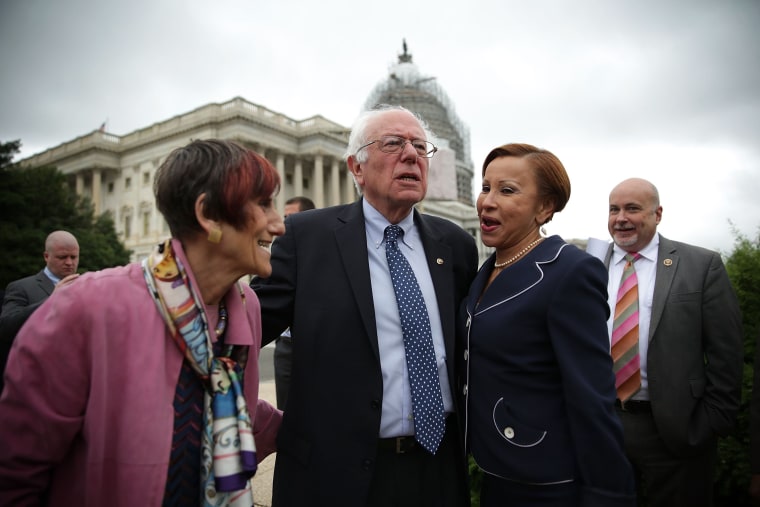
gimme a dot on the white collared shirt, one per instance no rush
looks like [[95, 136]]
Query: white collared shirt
[[646, 268]]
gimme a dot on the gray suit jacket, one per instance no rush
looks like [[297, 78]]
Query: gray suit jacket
[[21, 299], [695, 356]]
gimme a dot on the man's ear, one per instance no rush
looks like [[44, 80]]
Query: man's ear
[[356, 168]]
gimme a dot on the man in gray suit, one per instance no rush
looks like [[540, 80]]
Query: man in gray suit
[[24, 296], [689, 347]]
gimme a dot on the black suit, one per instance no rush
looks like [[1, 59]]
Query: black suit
[[320, 287], [21, 299]]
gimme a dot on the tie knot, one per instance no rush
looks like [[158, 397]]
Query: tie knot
[[393, 232], [632, 257]]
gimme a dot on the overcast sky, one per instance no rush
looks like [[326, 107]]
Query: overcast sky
[[662, 89]]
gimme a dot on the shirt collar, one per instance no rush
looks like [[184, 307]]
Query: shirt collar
[[649, 252], [376, 223], [52, 277]]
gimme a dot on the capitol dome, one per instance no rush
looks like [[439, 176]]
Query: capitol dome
[[407, 86]]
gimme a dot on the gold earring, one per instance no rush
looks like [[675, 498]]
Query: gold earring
[[215, 235]]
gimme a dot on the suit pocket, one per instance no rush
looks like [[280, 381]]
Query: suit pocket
[[512, 429], [686, 297]]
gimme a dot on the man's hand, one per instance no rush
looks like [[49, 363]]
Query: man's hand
[[66, 281]]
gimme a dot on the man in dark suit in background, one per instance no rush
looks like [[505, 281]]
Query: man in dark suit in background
[[690, 349], [283, 346], [22, 297], [348, 433]]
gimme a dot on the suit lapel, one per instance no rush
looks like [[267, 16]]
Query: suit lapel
[[351, 238], [512, 283], [664, 275], [440, 264], [46, 285]]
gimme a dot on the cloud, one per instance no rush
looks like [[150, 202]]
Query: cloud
[[664, 90]]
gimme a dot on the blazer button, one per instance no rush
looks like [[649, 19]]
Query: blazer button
[[466, 354], [509, 432], [375, 404], [464, 390]]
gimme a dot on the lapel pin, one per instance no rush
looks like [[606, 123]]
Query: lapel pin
[[668, 262], [439, 261]]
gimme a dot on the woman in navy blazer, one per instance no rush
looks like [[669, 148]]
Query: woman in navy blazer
[[539, 387]]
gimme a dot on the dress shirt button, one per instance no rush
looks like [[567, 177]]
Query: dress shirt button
[[509, 432]]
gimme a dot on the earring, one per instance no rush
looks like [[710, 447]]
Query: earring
[[215, 235], [542, 230]]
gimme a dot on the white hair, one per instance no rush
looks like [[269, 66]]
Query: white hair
[[358, 136]]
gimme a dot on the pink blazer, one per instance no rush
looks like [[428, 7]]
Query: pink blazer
[[86, 417]]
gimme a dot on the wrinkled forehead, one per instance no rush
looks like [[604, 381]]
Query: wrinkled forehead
[[396, 123]]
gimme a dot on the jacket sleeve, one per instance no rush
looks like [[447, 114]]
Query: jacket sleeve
[[265, 418], [42, 405], [16, 310], [723, 347], [578, 330]]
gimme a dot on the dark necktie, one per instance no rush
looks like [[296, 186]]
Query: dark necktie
[[427, 402], [625, 333]]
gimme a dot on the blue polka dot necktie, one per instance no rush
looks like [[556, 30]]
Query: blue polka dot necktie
[[427, 402]]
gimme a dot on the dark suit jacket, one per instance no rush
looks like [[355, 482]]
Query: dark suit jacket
[[21, 299], [320, 287], [541, 391], [695, 356]]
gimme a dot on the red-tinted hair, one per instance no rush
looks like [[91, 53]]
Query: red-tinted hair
[[229, 174]]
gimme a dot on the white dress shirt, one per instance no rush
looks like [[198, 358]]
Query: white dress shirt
[[645, 273]]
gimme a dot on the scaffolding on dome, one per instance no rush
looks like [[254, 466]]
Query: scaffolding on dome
[[405, 75]]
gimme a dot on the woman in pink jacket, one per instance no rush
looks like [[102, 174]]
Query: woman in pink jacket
[[138, 385]]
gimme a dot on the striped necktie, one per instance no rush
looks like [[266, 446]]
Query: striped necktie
[[625, 333]]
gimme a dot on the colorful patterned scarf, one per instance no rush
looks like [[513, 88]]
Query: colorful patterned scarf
[[228, 454]]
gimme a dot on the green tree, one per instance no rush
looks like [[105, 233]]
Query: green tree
[[732, 478], [37, 201]]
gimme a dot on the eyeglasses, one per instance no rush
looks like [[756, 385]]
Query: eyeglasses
[[396, 144]]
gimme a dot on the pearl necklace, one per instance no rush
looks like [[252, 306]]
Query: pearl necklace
[[519, 254]]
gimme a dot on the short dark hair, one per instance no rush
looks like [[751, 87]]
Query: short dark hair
[[304, 203], [551, 178], [229, 174]]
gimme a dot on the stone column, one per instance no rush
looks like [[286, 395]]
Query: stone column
[[80, 184], [298, 177], [281, 172], [96, 182], [335, 182], [319, 182], [350, 189]]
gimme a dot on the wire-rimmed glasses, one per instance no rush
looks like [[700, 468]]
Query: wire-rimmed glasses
[[396, 144]]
